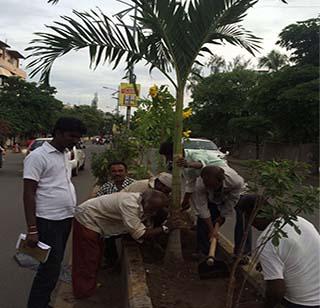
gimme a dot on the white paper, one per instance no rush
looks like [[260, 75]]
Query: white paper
[[41, 245]]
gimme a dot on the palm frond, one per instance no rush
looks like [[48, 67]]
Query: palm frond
[[53, 1], [105, 40]]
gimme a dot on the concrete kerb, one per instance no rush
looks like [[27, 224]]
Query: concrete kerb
[[136, 291], [254, 277], [134, 276]]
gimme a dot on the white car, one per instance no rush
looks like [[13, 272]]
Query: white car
[[203, 144], [77, 156]]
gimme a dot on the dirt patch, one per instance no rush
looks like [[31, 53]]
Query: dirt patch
[[181, 287]]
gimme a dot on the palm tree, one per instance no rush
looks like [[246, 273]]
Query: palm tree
[[171, 36], [274, 61]]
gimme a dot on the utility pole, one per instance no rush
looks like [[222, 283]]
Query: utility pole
[[132, 76]]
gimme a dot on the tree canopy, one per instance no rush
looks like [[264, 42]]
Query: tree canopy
[[302, 39], [28, 108]]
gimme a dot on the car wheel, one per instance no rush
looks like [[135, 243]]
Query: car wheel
[[75, 171]]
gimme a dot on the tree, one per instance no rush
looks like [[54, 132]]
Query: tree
[[217, 99], [289, 98], [238, 63], [170, 36], [274, 61], [251, 127], [93, 118], [27, 108], [216, 64], [302, 39]]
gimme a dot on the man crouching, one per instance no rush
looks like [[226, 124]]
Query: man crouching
[[106, 216]]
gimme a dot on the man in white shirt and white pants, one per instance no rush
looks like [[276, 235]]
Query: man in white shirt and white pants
[[292, 269], [49, 203]]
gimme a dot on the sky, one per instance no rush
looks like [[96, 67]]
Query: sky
[[76, 83]]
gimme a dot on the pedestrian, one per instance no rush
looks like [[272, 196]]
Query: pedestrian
[[2, 154], [110, 215], [119, 179], [49, 203], [291, 269], [216, 194], [193, 161], [161, 182]]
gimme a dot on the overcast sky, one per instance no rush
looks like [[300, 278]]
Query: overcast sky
[[76, 83]]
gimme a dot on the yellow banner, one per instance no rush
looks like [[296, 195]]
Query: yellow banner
[[129, 94]]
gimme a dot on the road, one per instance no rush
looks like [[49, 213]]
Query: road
[[15, 281]]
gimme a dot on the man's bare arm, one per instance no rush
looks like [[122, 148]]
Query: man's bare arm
[[275, 291], [29, 194]]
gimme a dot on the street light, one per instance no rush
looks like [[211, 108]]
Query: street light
[[132, 76]]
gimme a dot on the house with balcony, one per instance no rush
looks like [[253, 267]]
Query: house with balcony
[[10, 63]]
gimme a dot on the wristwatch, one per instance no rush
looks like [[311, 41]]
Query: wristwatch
[[165, 229]]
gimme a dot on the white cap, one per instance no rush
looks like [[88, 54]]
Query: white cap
[[164, 177]]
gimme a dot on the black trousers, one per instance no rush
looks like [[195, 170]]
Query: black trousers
[[54, 233], [203, 243]]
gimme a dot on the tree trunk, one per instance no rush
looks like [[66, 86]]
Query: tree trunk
[[257, 147], [174, 251]]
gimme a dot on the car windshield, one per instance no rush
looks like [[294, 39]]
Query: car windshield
[[36, 144], [200, 145]]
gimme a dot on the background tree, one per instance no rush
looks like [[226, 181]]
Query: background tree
[[302, 39], [171, 35], [28, 109], [251, 128], [217, 99], [290, 99], [273, 61], [93, 118]]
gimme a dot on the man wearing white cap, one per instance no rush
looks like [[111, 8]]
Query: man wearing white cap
[[162, 182]]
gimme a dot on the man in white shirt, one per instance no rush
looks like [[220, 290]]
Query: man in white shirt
[[292, 269], [217, 192], [49, 203], [106, 216], [161, 182]]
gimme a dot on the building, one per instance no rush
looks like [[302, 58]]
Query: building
[[10, 63]]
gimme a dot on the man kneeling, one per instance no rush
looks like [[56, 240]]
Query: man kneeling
[[106, 216]]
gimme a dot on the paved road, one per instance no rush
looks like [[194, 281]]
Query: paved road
[[15, 282]]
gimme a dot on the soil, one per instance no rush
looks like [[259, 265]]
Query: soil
[[180, 287]]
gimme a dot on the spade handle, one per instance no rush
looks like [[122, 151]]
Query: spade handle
[[212, 251]]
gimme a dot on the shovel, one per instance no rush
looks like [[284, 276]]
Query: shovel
[[212, 268]]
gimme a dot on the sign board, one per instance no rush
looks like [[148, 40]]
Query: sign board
[[128, 95]]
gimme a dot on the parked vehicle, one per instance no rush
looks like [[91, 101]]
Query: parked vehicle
[[203, 144], [36, 143], [77, 158], [76, 155]]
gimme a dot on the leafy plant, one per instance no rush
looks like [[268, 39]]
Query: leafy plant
[[280, 183], [125, 148]]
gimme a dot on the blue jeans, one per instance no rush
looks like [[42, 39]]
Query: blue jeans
[[203, 243], [239, 230], [54, 233]]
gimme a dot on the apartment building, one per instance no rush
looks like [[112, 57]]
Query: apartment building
[[10, 63]]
